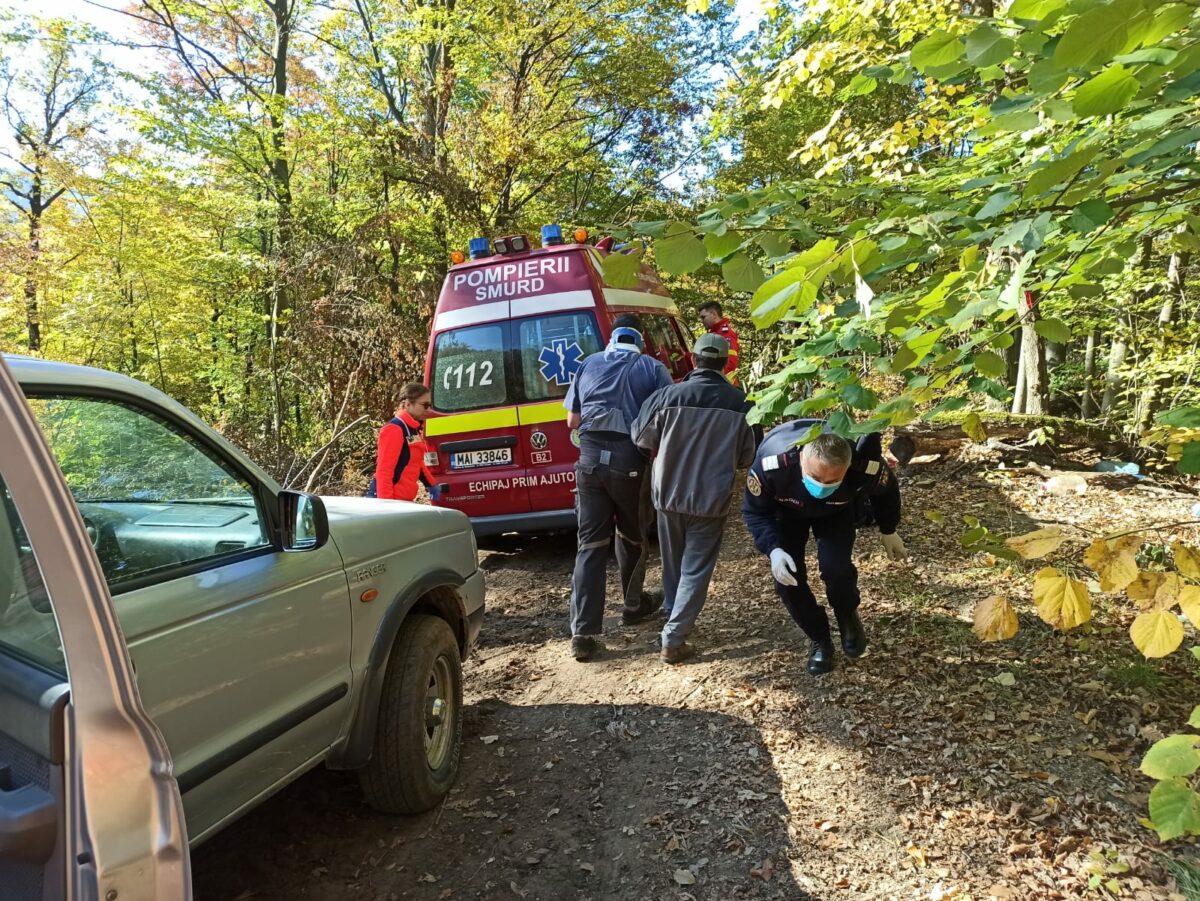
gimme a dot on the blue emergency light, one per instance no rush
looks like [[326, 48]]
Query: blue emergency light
[[551, 235], [479, 247]]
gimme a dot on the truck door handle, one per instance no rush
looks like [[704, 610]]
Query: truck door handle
[[28, 824]]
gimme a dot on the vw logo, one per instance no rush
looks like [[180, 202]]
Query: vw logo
[[539, 440]]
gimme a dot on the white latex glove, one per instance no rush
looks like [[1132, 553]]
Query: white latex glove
[[783, 567], [894, 546]]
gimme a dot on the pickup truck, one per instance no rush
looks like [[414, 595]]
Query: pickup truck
[[266, 632]]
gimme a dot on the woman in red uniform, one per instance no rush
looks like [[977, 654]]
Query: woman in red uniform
[[400, 461]]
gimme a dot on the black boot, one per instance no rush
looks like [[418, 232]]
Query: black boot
[[820, 658], [854, 636]]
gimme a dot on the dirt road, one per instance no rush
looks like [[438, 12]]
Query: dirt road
[[935, 767]]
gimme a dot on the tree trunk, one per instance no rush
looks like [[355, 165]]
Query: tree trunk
[[33, 319], [1087, 407], [281, 183], [1174, 296], [1112, 375], [1033, 361]]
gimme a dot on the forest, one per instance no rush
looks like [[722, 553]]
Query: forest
[[936, 216]]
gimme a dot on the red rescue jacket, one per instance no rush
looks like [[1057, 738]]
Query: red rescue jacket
[[400, 462], [725, 330]]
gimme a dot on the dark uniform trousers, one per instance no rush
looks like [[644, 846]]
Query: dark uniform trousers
[[835, 544], [610, 483]]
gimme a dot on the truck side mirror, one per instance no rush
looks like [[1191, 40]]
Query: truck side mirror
[[304, 524]]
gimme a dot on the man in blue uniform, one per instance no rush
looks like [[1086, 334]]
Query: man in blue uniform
[[828, 487], [603, 401]]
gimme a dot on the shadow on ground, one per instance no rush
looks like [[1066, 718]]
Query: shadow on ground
[[555, 801]]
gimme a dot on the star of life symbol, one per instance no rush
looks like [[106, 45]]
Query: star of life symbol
[[560, 361]]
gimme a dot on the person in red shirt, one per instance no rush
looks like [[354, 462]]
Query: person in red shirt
[[713, 318], [400, 461]]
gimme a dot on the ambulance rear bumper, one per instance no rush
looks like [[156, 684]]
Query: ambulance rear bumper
[[542, 521]]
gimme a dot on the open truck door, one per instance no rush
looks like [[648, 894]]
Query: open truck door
[[89, 807]]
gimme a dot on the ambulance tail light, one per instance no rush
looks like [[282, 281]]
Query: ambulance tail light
[[551, 235], [479, 247]]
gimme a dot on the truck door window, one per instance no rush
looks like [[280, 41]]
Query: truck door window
[[153, 499], [665, 344], [468, 368], [551, 349], [28, 629]]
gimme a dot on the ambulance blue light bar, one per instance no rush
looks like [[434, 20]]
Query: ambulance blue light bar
[[480, 247], [551, 235]]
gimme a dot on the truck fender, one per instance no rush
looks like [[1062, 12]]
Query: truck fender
[[355, 750]]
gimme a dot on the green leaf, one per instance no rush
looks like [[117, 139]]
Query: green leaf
[[1107, 93], [1089, 216], [621, 270], [939, 49], [923, 344], [1010, 297], [973, 536], [1174, 809], [990, 364], [679, 254], [988, 47], [1189, 462], [996, 204], [777, 296], [774, 244], [719, 246], [816, 255], [859, 398], [1175, 755], [1054, 330], [1095, 36], [1059, 171], [742, 273], [1034, 10], [1194, 719], [839, 423], [1180, 418]]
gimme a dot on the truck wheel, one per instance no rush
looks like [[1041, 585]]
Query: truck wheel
[[418, 739]]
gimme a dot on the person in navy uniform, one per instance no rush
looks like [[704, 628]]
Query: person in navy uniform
[[830, 488]]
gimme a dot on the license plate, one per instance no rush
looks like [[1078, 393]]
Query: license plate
[[493, 456]]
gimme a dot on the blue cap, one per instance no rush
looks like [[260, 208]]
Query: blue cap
[[480, 247], [551, 234]]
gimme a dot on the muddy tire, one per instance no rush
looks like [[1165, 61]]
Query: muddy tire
[[418, 739]]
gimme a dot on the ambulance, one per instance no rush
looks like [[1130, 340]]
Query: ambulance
[[512, 326]]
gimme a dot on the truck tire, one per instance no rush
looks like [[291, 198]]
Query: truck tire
[[418, 739]]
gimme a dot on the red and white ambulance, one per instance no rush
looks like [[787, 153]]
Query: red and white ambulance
[[512, 325]]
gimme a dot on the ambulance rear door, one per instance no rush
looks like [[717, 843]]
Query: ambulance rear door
[[548, 351], [473, 430]]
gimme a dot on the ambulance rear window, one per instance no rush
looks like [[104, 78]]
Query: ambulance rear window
[[468, 368], [550, 349]]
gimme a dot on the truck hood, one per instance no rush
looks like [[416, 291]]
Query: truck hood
[[365, 529]]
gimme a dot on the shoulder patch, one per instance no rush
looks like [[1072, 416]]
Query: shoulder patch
[[872, 467], [753, 485], [770, 463]]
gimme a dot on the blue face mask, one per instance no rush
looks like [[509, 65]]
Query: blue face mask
[[819, 490]]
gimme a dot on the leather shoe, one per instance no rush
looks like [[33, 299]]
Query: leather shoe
[[646, 609], [854, 636], [583, 647], [820, 658], [678, 654]]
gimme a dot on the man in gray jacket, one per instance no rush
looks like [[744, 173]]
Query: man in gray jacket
[[698, 428]]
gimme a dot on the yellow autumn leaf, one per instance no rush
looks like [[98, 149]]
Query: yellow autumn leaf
[[1168, 592], [995, 619], [1037, 544], [1061, 601], [1143, 588], [1114, 560], [1187, 560], [973, 427], [1189, 603], [1157, 633]]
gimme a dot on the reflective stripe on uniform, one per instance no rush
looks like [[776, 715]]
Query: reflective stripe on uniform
[[457, 423], [533, 414]]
